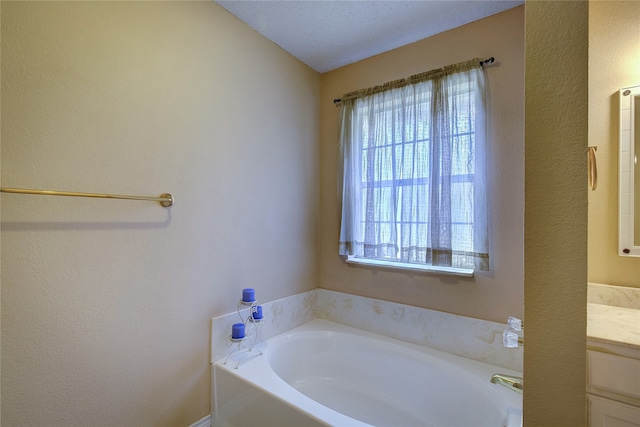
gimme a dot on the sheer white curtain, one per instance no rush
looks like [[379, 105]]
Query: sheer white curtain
[[413, 170]]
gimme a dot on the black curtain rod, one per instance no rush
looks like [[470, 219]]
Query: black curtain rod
[[486, 61]]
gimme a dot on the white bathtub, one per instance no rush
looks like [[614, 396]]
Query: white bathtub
[[326, 374]]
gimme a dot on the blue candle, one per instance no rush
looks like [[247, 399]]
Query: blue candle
[[248, 295], [237, 331], [257, 312]]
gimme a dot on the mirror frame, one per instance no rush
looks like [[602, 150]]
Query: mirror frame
[[627, 164]]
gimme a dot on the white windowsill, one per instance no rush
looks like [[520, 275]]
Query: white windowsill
[[465, 272]]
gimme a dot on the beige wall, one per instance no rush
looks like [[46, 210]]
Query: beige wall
[[493, 295], [555, 237], [106, 304], [614, 62]]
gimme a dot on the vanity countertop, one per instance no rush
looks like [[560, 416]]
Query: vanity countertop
[[613, 325]]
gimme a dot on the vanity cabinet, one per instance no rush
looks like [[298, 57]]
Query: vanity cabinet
[[613, 356], [613, 385]]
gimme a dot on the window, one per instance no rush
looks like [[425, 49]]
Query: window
[[413, 178]]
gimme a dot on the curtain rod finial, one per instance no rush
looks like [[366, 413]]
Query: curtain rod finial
[[487, 61]]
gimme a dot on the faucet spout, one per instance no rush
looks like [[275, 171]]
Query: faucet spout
[[513, 383]]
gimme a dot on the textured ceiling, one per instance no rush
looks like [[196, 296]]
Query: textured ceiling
[[329, 34]]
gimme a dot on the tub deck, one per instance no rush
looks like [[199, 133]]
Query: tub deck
[[327, 374]]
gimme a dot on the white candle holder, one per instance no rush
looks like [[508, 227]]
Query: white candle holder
[[247, 343]]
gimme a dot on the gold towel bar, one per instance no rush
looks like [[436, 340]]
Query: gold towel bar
[[165, 199]]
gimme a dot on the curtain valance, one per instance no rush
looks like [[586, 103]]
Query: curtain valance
[[416, 78]]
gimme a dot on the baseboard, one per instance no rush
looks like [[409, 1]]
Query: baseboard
[[205, 422]]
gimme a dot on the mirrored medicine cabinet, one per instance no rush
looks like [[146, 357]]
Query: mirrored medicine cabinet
[[629, 172]]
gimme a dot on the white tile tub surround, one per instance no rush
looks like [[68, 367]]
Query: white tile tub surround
[[464, 336]]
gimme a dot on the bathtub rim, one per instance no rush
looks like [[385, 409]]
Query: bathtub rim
[[264, 378]]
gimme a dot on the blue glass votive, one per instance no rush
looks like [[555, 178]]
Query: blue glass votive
[[257, 312], [248, 295], [237, 331]]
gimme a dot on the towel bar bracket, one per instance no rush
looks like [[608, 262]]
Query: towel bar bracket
[[166, 203]]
